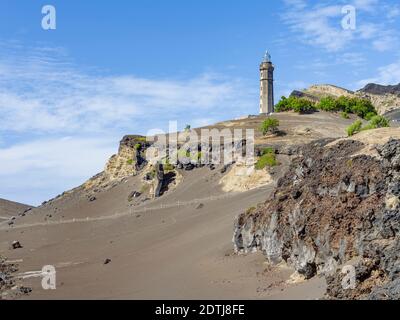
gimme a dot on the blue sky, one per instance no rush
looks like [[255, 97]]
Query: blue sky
[[112, 68]]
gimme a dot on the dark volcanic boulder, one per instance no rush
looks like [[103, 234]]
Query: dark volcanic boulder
[[334, 206], [159, 179]]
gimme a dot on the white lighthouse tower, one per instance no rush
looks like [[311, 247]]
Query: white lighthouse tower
[[267, 85]]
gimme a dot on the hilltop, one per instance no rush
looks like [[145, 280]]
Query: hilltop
[[384, 98], [9, 209]]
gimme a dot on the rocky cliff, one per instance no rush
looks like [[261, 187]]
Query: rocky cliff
[[373, 88], [127, 162], [337, 205]]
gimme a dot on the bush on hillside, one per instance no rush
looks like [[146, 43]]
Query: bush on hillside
[[328, 104], [377, 122], [268, 159], [374, 123], [361, 107], [299, 105], [269, 125], [354, 128]]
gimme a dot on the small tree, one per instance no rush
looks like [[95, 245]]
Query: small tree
[[270, 125], [188, 127]]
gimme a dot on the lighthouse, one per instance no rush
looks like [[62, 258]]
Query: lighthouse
[[266, 85]]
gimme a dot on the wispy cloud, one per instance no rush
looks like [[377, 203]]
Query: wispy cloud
[[366, 5], [43, 94], [319, 25], [313, 26], [34, 171]]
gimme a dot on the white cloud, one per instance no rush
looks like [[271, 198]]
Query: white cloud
[[37, 170], [387, 75], [44, 93], [320, 25], [315, 28], [366, 5]]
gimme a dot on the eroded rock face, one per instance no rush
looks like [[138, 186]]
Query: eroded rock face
[[329, 210], [129, 160], [159, 180]]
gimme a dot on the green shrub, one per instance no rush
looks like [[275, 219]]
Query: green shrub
[[186, 155], [354, 128], [269, 125], [266, 160], [377, 122], [303, 106], [296, 104], [138, 146], [328, 104], [374, 123], [361, 107], [267, 150], [130, 162], [369, 116], [283, 105], [183, 154]]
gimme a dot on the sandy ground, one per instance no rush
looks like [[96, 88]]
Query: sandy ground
[[179, 252], [176, 247]]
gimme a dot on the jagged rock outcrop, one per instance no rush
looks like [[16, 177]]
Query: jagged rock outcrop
[[374, 88], [127, 162], [334, 207], [159, 180]]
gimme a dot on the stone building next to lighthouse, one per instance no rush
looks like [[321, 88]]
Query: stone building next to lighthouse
[[266, 85]]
